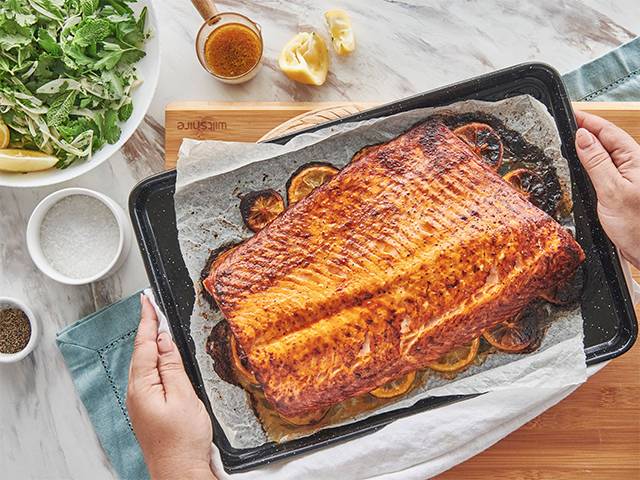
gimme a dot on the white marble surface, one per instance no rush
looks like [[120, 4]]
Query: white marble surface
[[404, 47]]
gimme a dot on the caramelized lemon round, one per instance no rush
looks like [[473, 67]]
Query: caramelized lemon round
[[395, 387], [513, 335], [484, 141], [307, 179], [457, 359], [258, 209]]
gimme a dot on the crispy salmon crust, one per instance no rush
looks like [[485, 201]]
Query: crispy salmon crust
[[412, 249]]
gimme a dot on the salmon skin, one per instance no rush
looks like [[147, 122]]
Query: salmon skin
[[412, 249]]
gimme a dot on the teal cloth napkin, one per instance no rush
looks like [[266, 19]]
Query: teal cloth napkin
[[97, 349], [615, 76]]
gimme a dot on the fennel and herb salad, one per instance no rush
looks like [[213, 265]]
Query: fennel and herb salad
[[67, 74]]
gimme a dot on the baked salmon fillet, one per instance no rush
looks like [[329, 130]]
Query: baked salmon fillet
[[412, 249]]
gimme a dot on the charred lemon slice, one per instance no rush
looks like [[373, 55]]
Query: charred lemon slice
[[513, 335], [457, 359], [14, 160], [239, 364], [530, 184], [259, 208], [305, 59], [306, 419], [395, 387], [484, 141], [339, 26], [4, 135], [307, 178]]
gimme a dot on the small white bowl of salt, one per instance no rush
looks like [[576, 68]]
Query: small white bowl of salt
[[77, 236]]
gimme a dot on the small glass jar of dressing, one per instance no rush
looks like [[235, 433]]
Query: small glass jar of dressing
[[229, 45]]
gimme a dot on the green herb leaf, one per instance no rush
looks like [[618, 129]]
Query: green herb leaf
[[91, 31], [86, 7], [48, 43], [73, 128], [111, 129], [125, 112], [59, 110]]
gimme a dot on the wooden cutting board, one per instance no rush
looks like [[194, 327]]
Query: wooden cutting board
[[230, 121], [249, 121], [595, 433]]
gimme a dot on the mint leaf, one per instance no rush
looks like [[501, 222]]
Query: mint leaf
[[91, 31], [59, 110]]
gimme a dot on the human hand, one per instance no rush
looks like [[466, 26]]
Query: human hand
[[611, 157], [169, 420]]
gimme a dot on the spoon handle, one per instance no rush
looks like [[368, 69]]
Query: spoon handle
[[206, 8]]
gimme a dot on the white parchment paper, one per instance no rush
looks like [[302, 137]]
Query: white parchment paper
[[212, 176]]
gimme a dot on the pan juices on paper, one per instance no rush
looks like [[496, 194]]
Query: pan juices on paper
[[422, 256]]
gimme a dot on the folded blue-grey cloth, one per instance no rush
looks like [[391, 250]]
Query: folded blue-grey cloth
[[97, 349], [613, 77]]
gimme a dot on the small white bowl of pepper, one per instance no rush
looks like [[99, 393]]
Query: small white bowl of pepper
[[18, 330]]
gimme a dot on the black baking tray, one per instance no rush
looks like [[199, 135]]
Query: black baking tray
[[610, 326]]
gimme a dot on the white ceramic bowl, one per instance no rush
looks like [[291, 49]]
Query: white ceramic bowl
[[16, 357], [33, 236], [149, 71]]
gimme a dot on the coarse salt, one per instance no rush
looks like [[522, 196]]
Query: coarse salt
[[79, 236]]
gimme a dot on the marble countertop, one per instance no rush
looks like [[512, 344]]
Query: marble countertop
[[404, 47]]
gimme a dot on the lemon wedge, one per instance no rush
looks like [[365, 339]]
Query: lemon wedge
[[14, 160], [305, 59], [339, 26], [4, 135]]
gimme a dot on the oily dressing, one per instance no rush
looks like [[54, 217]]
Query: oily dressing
[[232, 50]]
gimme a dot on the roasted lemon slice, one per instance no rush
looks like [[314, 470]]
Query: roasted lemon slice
[[513, 335], [484, 141], [14, 160], [305, 59], [339, 26], [4, 135], [532, 186], [457, 359], [395, 387], [258, 209], [307, 178]]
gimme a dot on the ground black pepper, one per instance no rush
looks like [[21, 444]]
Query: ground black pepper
[[15, 330]]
